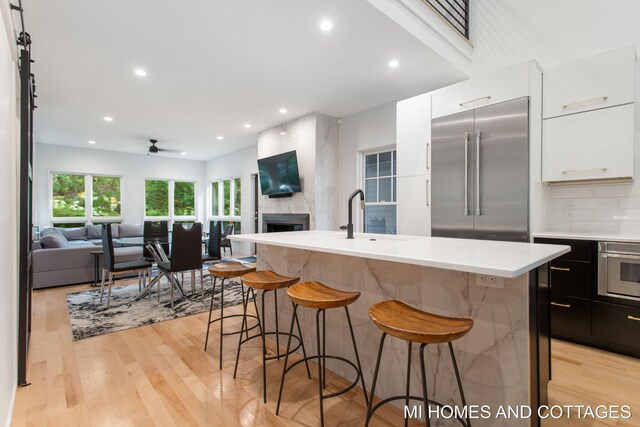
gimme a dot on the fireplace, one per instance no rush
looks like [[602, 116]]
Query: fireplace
[[273, 223]]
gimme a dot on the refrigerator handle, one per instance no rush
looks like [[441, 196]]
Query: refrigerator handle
[[466, 173], [478, 136]]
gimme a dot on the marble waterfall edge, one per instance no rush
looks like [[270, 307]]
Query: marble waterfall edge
[[493, 358]]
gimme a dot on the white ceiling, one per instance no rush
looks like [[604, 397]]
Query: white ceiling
[[212, 66]]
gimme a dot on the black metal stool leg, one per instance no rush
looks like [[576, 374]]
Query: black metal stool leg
[[304, 352], [424, 387], [324, 351], [355, 350], [264, 353], [455, 369], [275, 306], [286, 355], [375, 379], [221, 317], [406, 402], [320, 364], [245, 303], [206, 340]]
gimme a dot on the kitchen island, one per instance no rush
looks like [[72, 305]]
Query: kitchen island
[[504, 360]]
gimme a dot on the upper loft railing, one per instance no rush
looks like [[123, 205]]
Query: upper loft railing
[[455, 12]]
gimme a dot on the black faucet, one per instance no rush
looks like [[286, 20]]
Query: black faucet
[[350, 224]]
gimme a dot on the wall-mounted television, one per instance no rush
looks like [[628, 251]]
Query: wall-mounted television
[[279, 175]]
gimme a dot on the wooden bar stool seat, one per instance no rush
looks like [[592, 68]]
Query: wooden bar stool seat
[[319, 296], [226, 271], [268, 281], [410, 324]]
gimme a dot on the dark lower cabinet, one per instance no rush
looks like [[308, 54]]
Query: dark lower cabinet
[[571, 278], [616, 327], [571, 318]]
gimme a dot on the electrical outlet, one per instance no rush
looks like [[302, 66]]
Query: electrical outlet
[[489, 281], [568, 211]]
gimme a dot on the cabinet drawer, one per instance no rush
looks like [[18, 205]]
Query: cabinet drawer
[[413, 135], [571, 278], [597, 82], [581, 250], [617, 327], [570, 318], [593, 145], [480, 91]]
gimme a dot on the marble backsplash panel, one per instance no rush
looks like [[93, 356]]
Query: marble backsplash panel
[[493, 357]]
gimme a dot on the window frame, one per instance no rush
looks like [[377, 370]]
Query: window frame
[[171, 217], [363, 173], [88, 217], [219, 216]]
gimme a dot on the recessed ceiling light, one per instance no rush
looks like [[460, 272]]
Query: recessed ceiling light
[[326, 25], [92, 142], [247, 125], [140, 72], [184, 153], [108, 119], [220, 138], [283, 111], [283, 133], [393, 63]]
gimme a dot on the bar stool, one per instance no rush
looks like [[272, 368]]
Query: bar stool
[[268, 281], [321, 297], [225, 271], [416, 326]]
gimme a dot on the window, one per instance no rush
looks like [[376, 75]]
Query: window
[[380, 192], [226, 202], [78, 199], [170, 199]]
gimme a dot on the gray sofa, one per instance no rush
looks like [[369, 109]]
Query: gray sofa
[[63, 256]]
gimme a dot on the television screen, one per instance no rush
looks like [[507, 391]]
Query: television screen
[[279, 174]]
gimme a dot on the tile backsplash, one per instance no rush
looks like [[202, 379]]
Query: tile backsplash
[[595, 207]]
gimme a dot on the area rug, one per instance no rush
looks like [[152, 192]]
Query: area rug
[[89, 318]]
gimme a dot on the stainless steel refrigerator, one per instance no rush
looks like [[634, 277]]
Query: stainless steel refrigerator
[[480, 173]]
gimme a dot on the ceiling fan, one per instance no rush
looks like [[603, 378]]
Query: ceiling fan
[[153, 148]]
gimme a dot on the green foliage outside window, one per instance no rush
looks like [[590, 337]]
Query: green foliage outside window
[[226, 191], [106, 196], [214, 198], [184, 199], [156, 194], [238, 191], [68, 195]]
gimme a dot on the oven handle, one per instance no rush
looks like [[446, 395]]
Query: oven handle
[[609, 255]]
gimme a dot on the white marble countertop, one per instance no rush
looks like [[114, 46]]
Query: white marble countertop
[[505, 259], [604, 237]]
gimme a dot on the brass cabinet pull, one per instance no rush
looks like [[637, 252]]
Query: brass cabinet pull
[[557, 304], [630, 317], [599, 98], [561, 268], [462, 104]]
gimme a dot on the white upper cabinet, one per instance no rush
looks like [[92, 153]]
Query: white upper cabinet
[[600, 81], [500, 86], [593, 145], [413, 135]]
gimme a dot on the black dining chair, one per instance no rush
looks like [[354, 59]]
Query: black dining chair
[[142, 267], [186, 255], [226, 243], [155, 231], [213, 252]]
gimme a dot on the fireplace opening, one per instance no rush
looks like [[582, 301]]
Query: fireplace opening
[[276, 223]]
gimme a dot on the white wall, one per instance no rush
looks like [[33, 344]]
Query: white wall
[[242, 163], [8, 218], [368, 130], [134, 168]]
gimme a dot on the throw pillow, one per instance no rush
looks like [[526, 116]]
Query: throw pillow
[[49, 230], [79, 233], [53, 240], [127, 230], [94, 232]]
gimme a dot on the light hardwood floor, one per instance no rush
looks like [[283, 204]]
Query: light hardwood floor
[[159, 375]]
